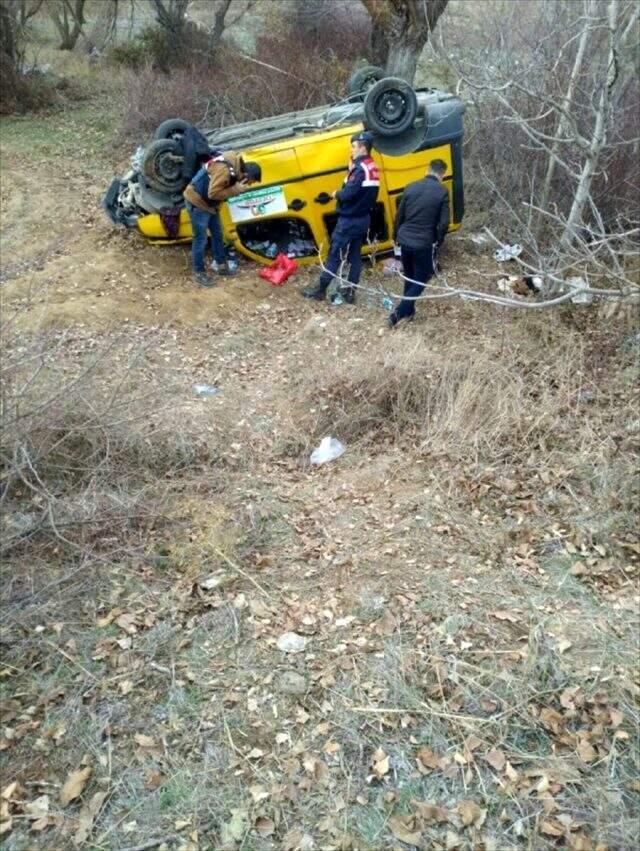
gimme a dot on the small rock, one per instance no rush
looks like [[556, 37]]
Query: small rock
[[216, 580], [291, 642], [292, 683]]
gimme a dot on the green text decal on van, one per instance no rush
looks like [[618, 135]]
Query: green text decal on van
[[260, 202]]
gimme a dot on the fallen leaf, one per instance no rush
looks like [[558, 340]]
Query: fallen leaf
[[586, 751], [386, 625], [155, 779], [472, 743], [38, 808], [616, 719], [87, 816], [380, 763], [265, 826], [258, 793], [126, 686], [41, 824], [543, 785], [453, 840], [563, 645], [470, 813], [580, 842], [431, 812], [10, 791], [127, 622], [427, 760], [552, 828], [74, 785], [406, 829], [254, 753], [5, 826], [501, 615], [144, 741], [496, 759], [511, 773]]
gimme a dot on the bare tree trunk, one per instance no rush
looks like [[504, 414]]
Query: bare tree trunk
[[400, 30], [598, 138], [68, 18], [563, 122]]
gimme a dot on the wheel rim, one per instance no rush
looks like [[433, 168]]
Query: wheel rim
[[391, 107], [167, 168]]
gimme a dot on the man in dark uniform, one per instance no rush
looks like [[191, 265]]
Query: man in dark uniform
[[355, 201], [420, 227]]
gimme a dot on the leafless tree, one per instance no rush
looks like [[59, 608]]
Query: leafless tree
[[226, 13], [68, 18], [400, 30], [560, 102]]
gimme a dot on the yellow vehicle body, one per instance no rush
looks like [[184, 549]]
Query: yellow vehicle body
[[299, 173]]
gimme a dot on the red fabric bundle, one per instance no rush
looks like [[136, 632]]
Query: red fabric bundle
[[278, 272]]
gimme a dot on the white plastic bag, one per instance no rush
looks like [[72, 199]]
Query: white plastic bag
[[508, 252], [330, 448]]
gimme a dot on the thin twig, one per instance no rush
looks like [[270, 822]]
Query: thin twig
[[242, 572]]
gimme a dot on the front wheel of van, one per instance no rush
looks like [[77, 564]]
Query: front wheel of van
[[390, 107]]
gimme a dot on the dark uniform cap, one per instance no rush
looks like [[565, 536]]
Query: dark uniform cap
[[363, 136]]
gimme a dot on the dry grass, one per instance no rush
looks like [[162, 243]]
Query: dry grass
[[479, 479]]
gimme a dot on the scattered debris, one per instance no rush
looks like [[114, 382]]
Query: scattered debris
[[330, 448], [291, 642], [507, 252], [520, 285], [278, 272], [581, 286], [205, 390]]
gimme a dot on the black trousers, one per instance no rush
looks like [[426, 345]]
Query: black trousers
[[417, 264]]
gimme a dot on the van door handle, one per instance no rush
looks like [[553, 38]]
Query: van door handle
[[297, 204], [322, 198]]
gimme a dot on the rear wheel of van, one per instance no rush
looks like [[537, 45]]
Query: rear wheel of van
[[390, 107], [162, 166], [172, 128], [362, 79]]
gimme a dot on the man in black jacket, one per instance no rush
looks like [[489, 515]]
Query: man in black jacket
[[420, 227]]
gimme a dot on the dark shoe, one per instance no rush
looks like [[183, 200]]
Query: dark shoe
[[226, 272], [203, 280], [349, 295], [316, 293]]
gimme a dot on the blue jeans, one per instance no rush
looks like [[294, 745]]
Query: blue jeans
[[346, 242], [417, 264], [201, 222]]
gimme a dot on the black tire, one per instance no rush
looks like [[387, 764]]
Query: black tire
[[162, 166], [362, 79], [172, 128], [390, 107]]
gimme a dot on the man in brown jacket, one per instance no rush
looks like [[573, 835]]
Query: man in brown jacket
[[223, 176]]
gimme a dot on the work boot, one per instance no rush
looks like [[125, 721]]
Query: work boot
[[349, 295], [317, 292], [203, 280]]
